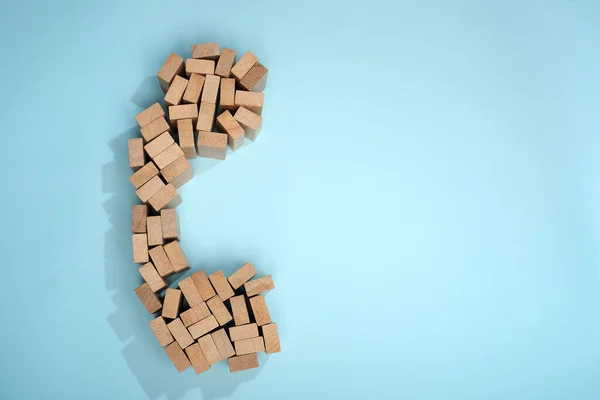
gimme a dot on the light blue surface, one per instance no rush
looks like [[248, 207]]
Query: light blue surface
[[425, 192]]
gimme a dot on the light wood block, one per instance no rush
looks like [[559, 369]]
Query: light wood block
[[161, 331], [159, 144], [212, 145], [256, 79], [177, 356], [235, 133], [150, 188], [203, 326], [137, 158], [209, 349], [183, 111], [154, 231], [149, 115], [140, 248], [243, 332], [171, 304], [221, 285], [148, 298], [226, 60], [200, 67], [171, 153], [206, 51], [227, 97], [155, 128], [223, 344], [259, 285], [170, 224], [271, 338], [152, 278], [247, 346], [176, 256], [179, 332], [242, 275], [178, 173], [239, 310], [253, 101], [218, 309], [195, 314], [244, 65], [143, 175], [185, 127], [193, 90], [139, 213], [161, 261], [190, 292], [167, 197], [211, 89], [196, 357], [260, 310], [203, 284], [241, 363], [174, 95], [206, 117], [172, 67], [249, 121]]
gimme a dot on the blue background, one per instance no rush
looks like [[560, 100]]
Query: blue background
[[424, 192]]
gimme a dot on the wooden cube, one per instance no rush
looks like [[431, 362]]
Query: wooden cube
[[227, 98], [211, 89], [154, 230], [190, 292], [218, 309], [244, 65], [226, 60], [186, 137], [193, 90], [177, 356], [148, 298], [170, 224], [243, 332], [175, 93], [206, 51], [200, 67], [203, 326], [253, 101], [206, 117], [137, 158], [140, 248], [149, 115], [183, 111], [152, 278], [195, 314], [179, 332], [239, 310], [259, 285], [159, 327], [271, 337], [260, 310], [209, 349], [143, 175], [249, 121], [150, 188], [197, 358], [247, 346], [212, 145], [170, 154], [167, 197], [235, 133], [203, 284], [241, 363], [171, 304], [256, 79], [221, 285], [178, 172], [139, 213], [242, 275], [155, 128], [223, 344], [161, 261], [172, 67], [159, 144], [176, 256]]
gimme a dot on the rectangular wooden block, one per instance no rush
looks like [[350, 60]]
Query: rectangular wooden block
[[211, 89], [217, 307], [140, 248], [152, 278], [226, 60], [190, 292], [241, 363], [249, 121], [200, 67], [143, 175], [212, 145], [221, 285], [150, 188], [171, 304], [179, 332], [203, 326], [235, 133], [154, 231], [139, 213], [203, 284], [159, 144], [149, 115], [161, 261], [259, 285], [167, 197], [271, 338], [170, 154], [239, 310], [175, 93], [196, 357], [185, 127], [148, 298], [155, 128], [243, 332], [256, 79], [242, 275], [137, 157], [193, 90], [260, 310], [253, 101], [223, 344], [183, 111], [206, 117], [244, 64], [177, 356], [227, 98], [209, 349], [161, 331], [170, 224], [172, 67], [195, 314], [178, 172], [247, 346], [206, 51], [176, 256]]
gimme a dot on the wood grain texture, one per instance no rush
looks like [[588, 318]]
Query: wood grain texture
[[140, 248], [176, 256], [260, 310], [152, 278], [256, 78], [227, 94], [235, 133], [242, 275], [243, 332], [271, 338], [154, 231], [143, 175], [209, 349], [159, 144], [185, 128], [174, 95], [223, 344], [239, 310], [206, 51], [172, 67], [253, 101], [183, 111], [177, 356], [137, 157], [217, 307], [155, 128], [249, 121], [161, 261], [170, 154], [190, 291], [150, 188], [221, 285], [206, 117], [161, 331], [148, 298], [200, 67], [212, 145], [178, 173], [203, 326], [171, 304], [197, 358], [211, 89], [244, 65], [247, 346], [167, 197], [170, 224], [149, 115], [139, 213], [195, 314], [179, 332], [226, 60], [259, 285], [241, 363], [193, 90], [203, 284]]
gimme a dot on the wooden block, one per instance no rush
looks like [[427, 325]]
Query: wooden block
[[203, 284], [169, 70], [217, 307], [183, 111], [226, 60], [154, 230], [195, 314], [249, 121], [150, 188], [203, 326], [243, 332], [212, 145], [176, 256], [170, 224], [143, 175], [152, 278], [206, 51], [159, 327], [190, 292], [148, 298], [155, 128], [241, 363], [247, 346], [260, 310], [171, 304], [235, 133], [139, 213], [185, 127], [167, 197], [211, 89], [271, 338], [177, 356], [244, 64], [242, 275], [159, 144], [209, 349], [221, 285], [259, 285], [196, 357], [179, 332], [227, 98], [140, 248], [178, 172], [161, 261], [223, 344], [239, 310], [171, 153], [253, 101], [206, 117], [193, 90], [256, 79], [149, 115], [175, 93], [200, 67], [137, 158]]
